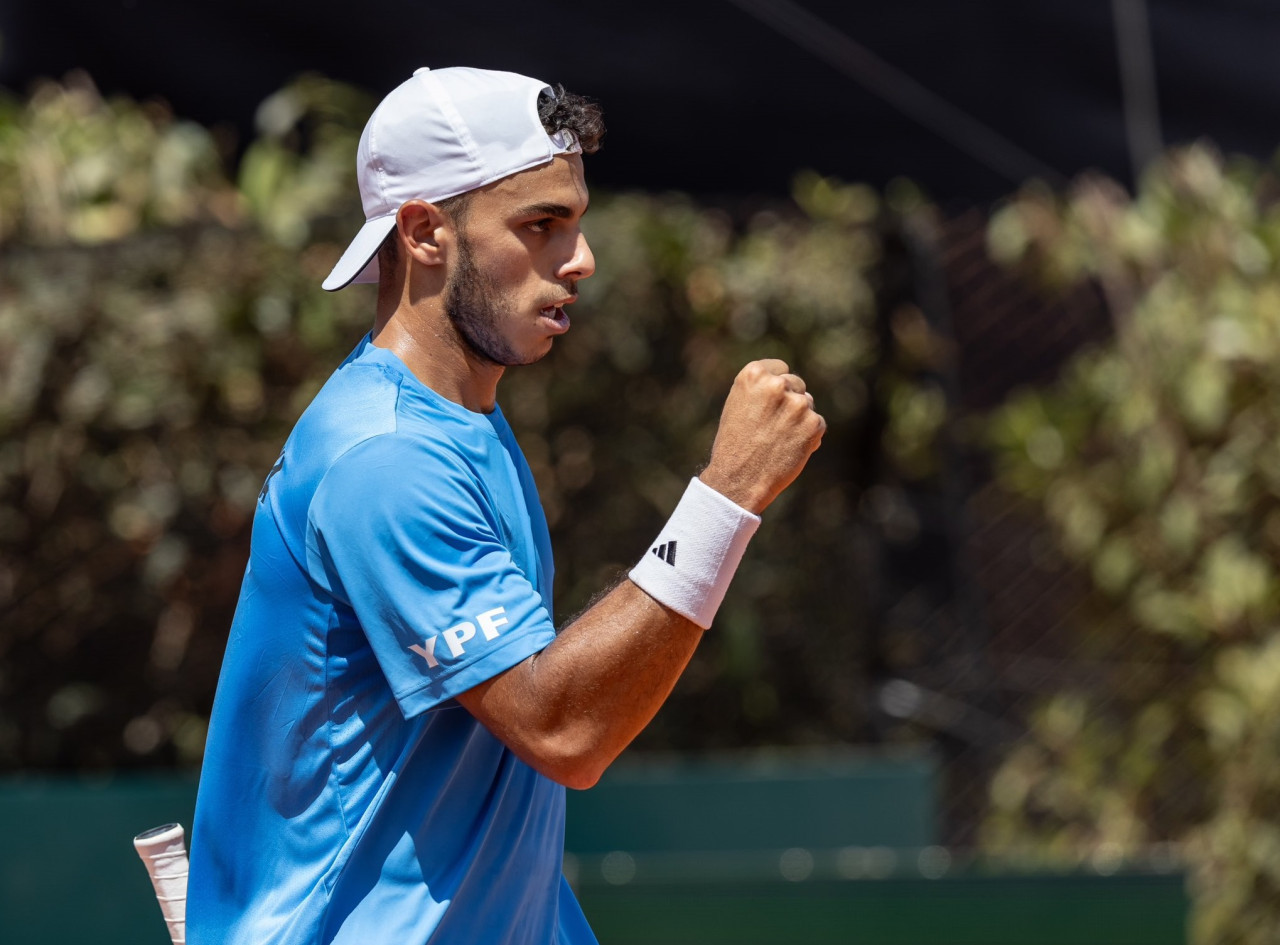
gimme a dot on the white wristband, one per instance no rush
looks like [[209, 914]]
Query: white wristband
[[691, 564]]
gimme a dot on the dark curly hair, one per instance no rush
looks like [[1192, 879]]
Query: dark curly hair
[[559, 110]]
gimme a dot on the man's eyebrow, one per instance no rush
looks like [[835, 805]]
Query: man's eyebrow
[[557, 210]]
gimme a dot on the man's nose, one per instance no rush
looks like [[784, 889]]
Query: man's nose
[[582, 263]]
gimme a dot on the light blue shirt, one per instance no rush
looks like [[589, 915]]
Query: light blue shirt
[[399, 557]]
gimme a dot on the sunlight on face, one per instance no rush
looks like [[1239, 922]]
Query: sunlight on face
[[475, 305], [519, 255]]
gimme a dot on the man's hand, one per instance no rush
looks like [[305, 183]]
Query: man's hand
[[768, 431]]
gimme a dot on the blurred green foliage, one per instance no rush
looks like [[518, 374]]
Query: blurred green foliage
[[155, 347], [161, 326], [1157, 460]]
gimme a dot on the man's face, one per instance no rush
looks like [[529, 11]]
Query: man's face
[[520, 253]]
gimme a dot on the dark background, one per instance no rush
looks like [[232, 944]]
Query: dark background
[[702, 95]]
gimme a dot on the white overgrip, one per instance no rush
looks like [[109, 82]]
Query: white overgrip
[[164, 853]]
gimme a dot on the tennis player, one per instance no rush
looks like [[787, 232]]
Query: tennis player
[[397, 718]]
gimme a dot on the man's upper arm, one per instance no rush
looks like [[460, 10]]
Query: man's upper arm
[[403, 534]]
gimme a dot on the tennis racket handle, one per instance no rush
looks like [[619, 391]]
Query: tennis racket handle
[[164, 853]]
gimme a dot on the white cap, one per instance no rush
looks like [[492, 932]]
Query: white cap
[[440, 134]]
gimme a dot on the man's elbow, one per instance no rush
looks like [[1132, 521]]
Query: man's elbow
[[580, 779], [575, 762]]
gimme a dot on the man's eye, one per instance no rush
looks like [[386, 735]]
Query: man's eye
[[540, 226]]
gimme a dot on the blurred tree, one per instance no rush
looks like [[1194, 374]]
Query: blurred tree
[[161, 328], [1157, 460], [154, 349]]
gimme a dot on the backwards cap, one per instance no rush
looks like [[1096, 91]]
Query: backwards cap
[[440, 134]]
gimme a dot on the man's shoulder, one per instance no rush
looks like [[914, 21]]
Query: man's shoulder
[[374, 448], [374, 429], [364, 401], [355, 405]]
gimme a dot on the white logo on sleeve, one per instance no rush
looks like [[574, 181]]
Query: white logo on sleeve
[[457, 636]]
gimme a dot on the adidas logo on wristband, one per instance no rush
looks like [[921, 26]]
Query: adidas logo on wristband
[[713, 532]]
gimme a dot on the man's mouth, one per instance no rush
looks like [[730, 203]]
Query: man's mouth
[[556, 314]]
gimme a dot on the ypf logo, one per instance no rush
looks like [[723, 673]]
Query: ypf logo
[[458, 635]]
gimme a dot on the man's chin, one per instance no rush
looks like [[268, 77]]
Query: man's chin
[[502, 353], [534, 359], [521, 358]]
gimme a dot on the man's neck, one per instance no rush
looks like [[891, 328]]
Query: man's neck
[[433, 351]]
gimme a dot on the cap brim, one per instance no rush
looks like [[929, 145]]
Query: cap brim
[[359, 263]]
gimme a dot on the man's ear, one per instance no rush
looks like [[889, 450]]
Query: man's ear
[[420, 226]]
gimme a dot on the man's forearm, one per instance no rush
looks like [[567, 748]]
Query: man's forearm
[[569, 710]]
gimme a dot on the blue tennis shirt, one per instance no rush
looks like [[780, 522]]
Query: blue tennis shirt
[[399, 557]]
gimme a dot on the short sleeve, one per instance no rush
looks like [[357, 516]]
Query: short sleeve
[[407, 536]]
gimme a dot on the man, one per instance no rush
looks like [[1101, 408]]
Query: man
[[397, 718]]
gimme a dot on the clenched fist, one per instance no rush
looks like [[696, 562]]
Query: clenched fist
[[767, 432]]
